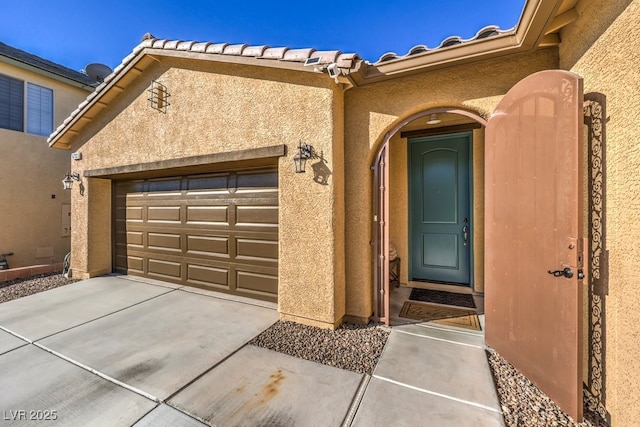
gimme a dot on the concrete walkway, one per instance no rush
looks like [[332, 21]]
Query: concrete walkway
[[119, 351]]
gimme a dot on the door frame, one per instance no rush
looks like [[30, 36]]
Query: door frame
[[445, 136], [380, 199]]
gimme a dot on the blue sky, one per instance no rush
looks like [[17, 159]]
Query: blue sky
[[75, 33]]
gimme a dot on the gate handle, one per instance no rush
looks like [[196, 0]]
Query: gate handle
[[566, 272]]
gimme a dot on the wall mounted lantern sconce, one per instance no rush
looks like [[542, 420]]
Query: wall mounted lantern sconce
[[67, 182], [321, 171], [305, 151]]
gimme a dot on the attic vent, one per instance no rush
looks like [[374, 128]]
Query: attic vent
[[158, 96]]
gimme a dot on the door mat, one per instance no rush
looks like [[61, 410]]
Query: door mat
[[460, 317], [442, 297]]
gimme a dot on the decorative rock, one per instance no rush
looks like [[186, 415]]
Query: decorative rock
[[352, 347], [19, 288], [523, 404]]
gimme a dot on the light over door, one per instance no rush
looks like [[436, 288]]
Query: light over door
[[440, 220], [532, 230]]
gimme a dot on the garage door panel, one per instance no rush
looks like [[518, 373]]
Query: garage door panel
[[256, 249], [208, 276], [160, 186], [256, 180], [132, 263], [257, 216], [256, 283], [208, 246], [208, 183], [133, 238], [163, 213], [163, 241], [125, 188], [216, 231], [165, 269], [134, 213], [214, 215]]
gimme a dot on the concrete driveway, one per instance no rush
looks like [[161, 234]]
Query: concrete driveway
[[118, 351]]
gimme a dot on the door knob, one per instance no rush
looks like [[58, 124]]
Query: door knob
[[566, 272]]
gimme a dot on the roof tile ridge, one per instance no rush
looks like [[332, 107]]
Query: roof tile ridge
[[454, 40]]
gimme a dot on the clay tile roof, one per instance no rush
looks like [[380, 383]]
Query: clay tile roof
[[483, 33], [327, 57], [217, 48], [255, 51], [274, 52], [297, 55], [44, 64], [346, 62], [234, 49]]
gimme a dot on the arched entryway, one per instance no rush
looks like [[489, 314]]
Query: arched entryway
[[445, 124], [534, 217]]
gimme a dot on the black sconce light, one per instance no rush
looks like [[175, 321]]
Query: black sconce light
[[67, 182], [305, 151], [321, 171]]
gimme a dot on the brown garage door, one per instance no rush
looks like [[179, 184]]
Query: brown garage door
[[215, 231]]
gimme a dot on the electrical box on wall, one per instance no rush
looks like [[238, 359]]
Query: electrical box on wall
[[76, 156]]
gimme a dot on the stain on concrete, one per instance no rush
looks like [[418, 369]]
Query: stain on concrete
[[139, 371], [273, 386]]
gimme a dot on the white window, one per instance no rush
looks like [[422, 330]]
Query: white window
[[39, 110]]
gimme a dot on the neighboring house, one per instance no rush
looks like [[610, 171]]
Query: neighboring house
[[36, 95], [188, 153]]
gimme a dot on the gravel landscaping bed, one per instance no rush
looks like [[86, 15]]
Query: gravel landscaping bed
[[524, 405], [19, 288], [356, 348]]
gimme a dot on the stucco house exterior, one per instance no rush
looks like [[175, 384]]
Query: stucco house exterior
[[36, 95], [189, 154]]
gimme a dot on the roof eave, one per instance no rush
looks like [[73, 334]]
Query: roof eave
[[47, 73], [536, 17], [229, 59], [136, 65]]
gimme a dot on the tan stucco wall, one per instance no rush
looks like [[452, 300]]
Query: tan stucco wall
[[30, 174], [216, 108], [373, 110], [603, 46]]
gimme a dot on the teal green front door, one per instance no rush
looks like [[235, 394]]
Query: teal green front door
[[439, 209]]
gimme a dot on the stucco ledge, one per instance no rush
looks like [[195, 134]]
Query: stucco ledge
[[176, 165]]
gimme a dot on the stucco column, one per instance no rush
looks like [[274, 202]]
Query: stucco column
[[91, 228], [312, 259]]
